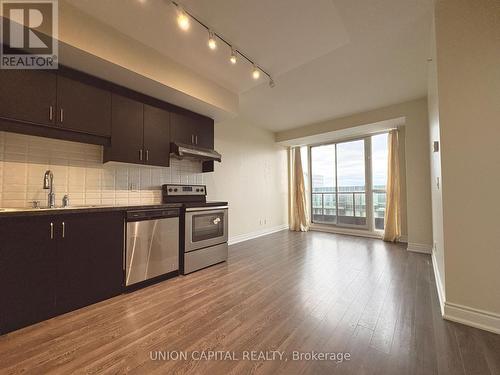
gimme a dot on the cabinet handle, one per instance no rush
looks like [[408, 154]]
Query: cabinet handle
[[51, 113], [147, 155], [196, 139], [192, 139], [140, 154], [62, 115], [51, 231], [63, 229]]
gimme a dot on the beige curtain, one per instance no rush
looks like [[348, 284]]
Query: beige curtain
[[392, 219], [299, 219]]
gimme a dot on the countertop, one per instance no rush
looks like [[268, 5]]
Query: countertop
[[20, 212]]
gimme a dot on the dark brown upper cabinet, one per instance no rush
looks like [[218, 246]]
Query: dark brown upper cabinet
[[71, 105], [140, 133], [192, 129], [55, 100], [156, 136], [28, 95], [82, 107], [126, 131]]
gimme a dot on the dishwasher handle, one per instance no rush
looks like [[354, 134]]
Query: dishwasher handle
[[140, 215]]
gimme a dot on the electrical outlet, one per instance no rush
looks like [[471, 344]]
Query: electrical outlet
[[132, 186]]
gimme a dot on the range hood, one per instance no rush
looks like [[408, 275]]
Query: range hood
[[184, 151]]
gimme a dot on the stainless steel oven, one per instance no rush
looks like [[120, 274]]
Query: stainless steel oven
[[205, 227], [206, 236]]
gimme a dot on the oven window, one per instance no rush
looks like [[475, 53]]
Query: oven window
[[207, 226]]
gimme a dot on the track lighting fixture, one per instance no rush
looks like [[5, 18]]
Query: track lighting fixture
[[212, 43], [184, 19]]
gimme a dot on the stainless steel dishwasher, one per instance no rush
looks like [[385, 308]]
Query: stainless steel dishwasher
[[152, 248]]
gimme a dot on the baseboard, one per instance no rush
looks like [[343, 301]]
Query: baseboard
[[469, 316], [439, 283], [263, 232], [481, 319], [403, 238], [346, 231], [419, 248]]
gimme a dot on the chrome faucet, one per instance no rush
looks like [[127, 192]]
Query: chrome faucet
[[48, 183]]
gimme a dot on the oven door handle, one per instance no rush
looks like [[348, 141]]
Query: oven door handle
[[193, 209]]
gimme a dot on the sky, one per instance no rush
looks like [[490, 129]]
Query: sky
[[350, 164]]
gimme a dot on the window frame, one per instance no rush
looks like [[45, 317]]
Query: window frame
[[369, 190]]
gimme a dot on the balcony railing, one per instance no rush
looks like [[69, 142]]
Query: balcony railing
[[351, 208]]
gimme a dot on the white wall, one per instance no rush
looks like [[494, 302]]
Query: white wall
[[435, 159], [468, 83], [252, 178]]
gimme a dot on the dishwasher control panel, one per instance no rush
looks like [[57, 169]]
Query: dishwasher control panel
[[152, 214]]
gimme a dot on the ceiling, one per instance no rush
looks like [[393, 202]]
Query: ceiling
[[329, 58]]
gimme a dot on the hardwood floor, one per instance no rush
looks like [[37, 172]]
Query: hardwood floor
[[285, 292]]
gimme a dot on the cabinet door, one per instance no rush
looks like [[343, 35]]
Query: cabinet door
[[182, 129], [89, 260], [28, 95], [126, 131], [27, 272], [204, 134], [83, 108], [192, 129], [156, 136], [106, 258]]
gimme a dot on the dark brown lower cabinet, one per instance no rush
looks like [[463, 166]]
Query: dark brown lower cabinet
[[89, 259], [27, 272], [50, 265]]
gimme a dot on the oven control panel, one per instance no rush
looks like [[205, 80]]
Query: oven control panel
[[184, 190]]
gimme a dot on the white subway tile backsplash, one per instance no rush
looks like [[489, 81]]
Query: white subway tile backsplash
[[79, 172]]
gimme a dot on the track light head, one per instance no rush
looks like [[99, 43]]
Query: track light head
[[182, 19], [212, 43], [255, 72], [271, 83], [233, 57]]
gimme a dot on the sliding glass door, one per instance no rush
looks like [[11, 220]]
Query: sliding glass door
[[351, 194], [323, 185], [348, 183]]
